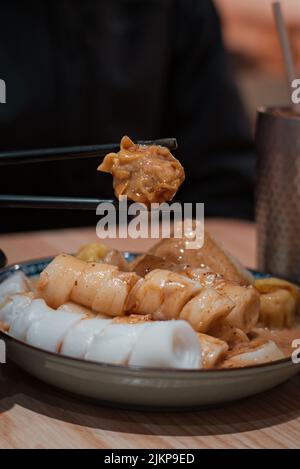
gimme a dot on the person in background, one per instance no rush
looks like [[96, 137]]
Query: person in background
[[89, 72], [251, 38]]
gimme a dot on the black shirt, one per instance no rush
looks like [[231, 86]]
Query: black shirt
[[84, 72]]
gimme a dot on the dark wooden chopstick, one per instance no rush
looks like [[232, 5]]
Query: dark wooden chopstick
[[61, 203], [70, 153], [48, 202]]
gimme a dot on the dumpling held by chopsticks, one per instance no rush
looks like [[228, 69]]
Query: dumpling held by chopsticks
[[144, 173]]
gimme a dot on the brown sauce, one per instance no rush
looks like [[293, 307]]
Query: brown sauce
[[282, 338]]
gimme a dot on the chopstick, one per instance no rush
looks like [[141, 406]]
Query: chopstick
[[61, 203], [71, 153], [48, 202]]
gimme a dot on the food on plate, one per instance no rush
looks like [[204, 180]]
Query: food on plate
[[98, 252], [176, 346], [213, 350], [144, 173], [233, 336], [258, 351], [240, 303], [120, 341], [17, 283], [36, 310], [245, 312], [100, 287], [78, 338], [211, 255], [206, 309], [57, 280], [279, 302], [169, 309], [49, 331], [148, 262], [162, 294], [173, 307], [132, 319], [115, 343], [92, 252], [115, 257], [12, 307]]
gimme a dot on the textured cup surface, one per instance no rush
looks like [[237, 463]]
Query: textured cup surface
[[277, 140]]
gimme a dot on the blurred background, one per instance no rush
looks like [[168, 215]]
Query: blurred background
[[89, 72], [251, 39]]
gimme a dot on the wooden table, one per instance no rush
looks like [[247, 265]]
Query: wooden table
[[33, 415]]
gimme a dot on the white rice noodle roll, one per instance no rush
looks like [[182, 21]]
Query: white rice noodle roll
[[115, 343], [15, 283], [78, 338], [75, 308], [167, 344], [35, 311], [48, 333], [12, 308]]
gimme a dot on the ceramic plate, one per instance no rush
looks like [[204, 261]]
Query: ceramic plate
[[136, 386]]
